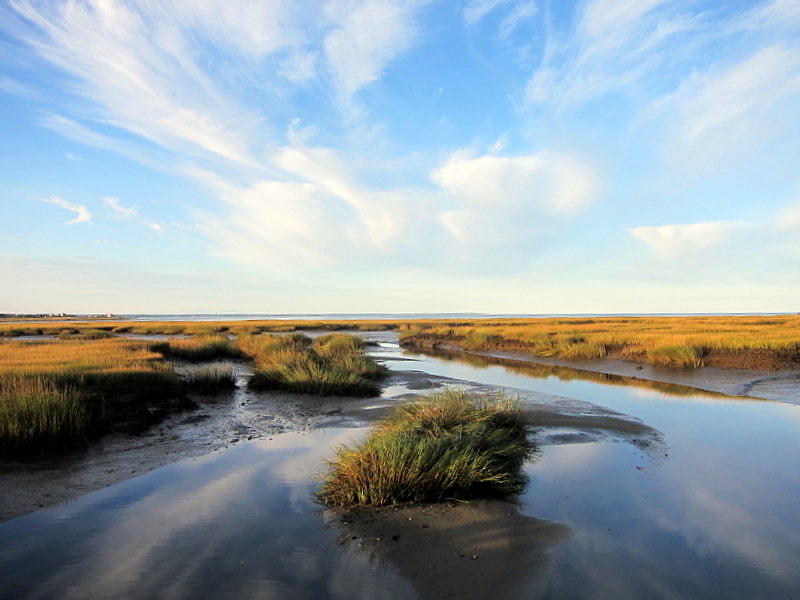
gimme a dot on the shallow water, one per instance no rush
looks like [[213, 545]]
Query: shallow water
[[715, 517]]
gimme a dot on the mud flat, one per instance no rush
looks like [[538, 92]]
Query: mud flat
[[454, 550], [230, 418], [218, 422]]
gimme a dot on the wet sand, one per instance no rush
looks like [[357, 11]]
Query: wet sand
[[454, 550]]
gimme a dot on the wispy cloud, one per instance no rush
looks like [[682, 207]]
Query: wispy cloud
[[674, 241], [154, 90], [366, 37], [514, 13], [613, 44], [732, 107], [82, 214], [115, 205], [11, 86], [130, 213], [475, 10]]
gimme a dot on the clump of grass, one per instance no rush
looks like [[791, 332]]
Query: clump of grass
[[37, 416], [582, 351], [681, 357], [453, 446], [197, 349], [333, 364], [210, 379], [85, 334], [59, 391]]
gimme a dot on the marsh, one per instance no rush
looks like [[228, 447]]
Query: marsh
[[641, 491]]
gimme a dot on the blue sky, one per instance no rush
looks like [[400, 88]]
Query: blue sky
[[400, 156]]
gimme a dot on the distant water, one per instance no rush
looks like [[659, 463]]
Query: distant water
[[376, 316]]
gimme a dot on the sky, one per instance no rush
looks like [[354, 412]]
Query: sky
[[501, 156]]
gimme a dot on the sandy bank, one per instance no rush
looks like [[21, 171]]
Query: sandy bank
[[459, 550]]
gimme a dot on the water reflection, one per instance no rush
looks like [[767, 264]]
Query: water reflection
[[544, 371], [239, 524]]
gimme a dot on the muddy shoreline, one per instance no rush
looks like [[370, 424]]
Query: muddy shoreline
[[235, 417], [218, 422], [782, 385]]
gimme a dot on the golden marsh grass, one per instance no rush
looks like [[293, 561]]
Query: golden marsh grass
[[685, 342]]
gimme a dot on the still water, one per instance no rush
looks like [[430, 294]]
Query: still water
[[715, 515]]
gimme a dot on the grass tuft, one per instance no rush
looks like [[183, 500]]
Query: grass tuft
[[452, 446], [84, 334], [210, 379], [36, 416], [331, 365], [197, 349], [680, 357]]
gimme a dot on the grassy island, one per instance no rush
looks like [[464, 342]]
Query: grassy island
[[451, 446]]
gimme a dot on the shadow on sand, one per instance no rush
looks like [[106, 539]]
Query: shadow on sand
[[477, 549]]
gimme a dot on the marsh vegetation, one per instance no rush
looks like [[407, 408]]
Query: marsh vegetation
[[675, 342], [333, 364], [198, 348], [758, 342], [210, 379], [451, 446], [57, 394]]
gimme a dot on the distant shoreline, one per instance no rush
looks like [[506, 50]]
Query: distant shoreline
[[212, 317]]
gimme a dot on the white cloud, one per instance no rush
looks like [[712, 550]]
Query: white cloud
[[285, 226], [130, 213], [475, 10], [547, 182], [614, 44], [82, 214], [673, 241], [522, 11], [134, 63], [611, 22], [731, 108], [11, 86], [78, 132], [774, 14], [369, 34], [516, 12], [253, 29], [329, 217], [114, 204], [299, 67]]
